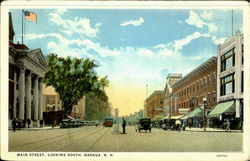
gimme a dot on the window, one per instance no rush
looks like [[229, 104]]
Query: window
[[242, 57], [208, 98], [205, 82], [214, 77], [197, 85], [187, 90], [228, 60], [201, 83], [242, 81], [193, 87], [197, 101], [214, 95], [227, 85], [208, 80]]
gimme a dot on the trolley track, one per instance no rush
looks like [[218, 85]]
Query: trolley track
[[82, 138], [69, 132]]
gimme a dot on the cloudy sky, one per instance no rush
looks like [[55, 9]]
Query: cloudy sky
[[132, 47]]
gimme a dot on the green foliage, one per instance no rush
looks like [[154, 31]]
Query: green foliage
[[73, 78], [97, 106]]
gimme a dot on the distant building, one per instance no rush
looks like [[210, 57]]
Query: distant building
[[27, 68], [193, 87], [171, 79], [52, 102], [154, 104], [230, 78]]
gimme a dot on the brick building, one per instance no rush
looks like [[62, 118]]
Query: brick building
[[188, 92], [171, 79], [154, 104]]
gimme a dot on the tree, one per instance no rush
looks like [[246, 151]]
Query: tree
[[73, 78], [97, 106]]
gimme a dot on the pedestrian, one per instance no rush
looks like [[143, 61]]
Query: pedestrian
[[29, 122], [41, 123], [14, 124], [55, 123], [24, 123], [19, 124], [189, 124], [123, 126], [228, 126], [178, 125]]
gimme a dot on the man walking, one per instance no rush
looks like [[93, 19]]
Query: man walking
[[41, 123], [228, 126], [29, 122], [14, 124], [123, 126], [24, 123]]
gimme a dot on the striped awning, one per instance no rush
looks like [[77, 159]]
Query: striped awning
[[195, 113], [177, 116], [225, 107]]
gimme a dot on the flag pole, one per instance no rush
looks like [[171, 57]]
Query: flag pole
[[232, 23], [22, 25]]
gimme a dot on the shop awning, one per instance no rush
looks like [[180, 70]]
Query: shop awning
[[195, 113], [177, 116], [226, 107], [185, 117], [71, 118]]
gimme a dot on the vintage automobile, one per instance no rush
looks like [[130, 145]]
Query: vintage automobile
[[65, 123], [143, 124], [166, 124]]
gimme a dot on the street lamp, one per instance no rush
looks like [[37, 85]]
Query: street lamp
[[204, 114]]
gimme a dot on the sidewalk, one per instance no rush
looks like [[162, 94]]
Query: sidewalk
[[209, 130], [37, 128]]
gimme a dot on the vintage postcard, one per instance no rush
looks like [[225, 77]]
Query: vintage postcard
[[125, 80]]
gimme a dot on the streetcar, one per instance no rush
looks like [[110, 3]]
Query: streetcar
[[108, 122]]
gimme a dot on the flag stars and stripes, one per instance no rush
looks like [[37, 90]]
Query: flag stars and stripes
[[31, 16]]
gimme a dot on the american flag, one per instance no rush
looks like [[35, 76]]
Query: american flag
[[30, 16]]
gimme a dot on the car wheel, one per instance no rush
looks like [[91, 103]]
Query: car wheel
[[149, 130], [139, 130]]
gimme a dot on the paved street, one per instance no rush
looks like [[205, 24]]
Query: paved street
[[102, 139]]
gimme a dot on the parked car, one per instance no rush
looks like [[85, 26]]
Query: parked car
[[65, 123], [143, 124]]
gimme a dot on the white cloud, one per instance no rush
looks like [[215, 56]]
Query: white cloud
[[41, 36], [61, 11], [173, 48], [178, 44], [133, 22], [218, 41], [201, 20], [145, 52], [77, 25], [207, 15], [90, 45], [194, 19]]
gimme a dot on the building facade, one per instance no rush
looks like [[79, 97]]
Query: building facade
[[52, 102], [27, 68], [230, 77], [167, 102], [193, 87], [154, 104]]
